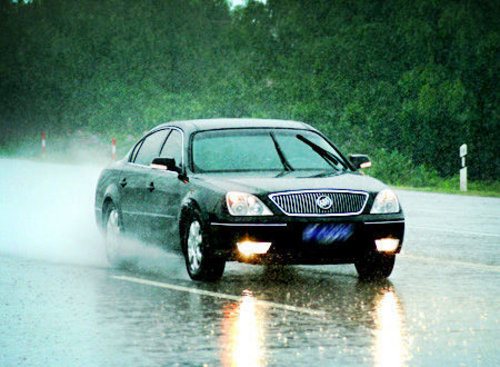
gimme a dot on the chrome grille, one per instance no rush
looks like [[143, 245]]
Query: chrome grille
[[304, 203]]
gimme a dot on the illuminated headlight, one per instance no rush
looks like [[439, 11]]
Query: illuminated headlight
[[385, 202], [243, 204]]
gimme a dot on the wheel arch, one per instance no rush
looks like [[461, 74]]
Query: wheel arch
[[105, 206], [110, 196], [188, 207]]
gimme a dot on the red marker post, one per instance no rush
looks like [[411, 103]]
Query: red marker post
[[113, 149], [44, 145]]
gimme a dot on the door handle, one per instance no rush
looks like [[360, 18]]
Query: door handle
[[151, 186], [123, 182]]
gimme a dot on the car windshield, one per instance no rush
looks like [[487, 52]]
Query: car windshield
[[240, 150]]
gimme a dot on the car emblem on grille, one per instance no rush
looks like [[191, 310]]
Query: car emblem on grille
[[324, 202]]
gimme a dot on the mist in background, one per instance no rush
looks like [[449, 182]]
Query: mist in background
[[46, 212]]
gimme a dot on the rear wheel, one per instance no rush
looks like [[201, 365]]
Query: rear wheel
[[113, 235], [375, 265], [200, 263]]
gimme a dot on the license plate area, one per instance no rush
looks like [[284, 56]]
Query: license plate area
[[327, 233]]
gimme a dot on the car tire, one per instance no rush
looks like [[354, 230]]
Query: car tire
[[112, 229], [200, 263], [374, 265]]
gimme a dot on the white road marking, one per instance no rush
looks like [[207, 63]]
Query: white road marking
[[494, 268], [218, 295], [451, 230]]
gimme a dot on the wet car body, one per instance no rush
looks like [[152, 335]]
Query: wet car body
[[311, 216]]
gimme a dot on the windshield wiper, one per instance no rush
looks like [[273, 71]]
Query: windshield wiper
[[283, 160], [325, 154]]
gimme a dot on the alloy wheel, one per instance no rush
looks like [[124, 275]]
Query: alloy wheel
[[194, 242]]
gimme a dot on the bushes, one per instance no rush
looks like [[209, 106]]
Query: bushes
[[397, 169]]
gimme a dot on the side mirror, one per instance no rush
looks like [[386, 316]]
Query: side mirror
[[360, 161], [164, 164]]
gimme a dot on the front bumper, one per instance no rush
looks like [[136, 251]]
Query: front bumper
[[292, 245]]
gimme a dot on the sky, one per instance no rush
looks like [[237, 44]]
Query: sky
[[241, 2]]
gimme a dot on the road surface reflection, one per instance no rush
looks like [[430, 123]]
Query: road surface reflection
[[390, 348], [243, 334], [374, 308]]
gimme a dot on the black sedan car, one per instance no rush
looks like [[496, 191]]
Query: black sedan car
[[250, 190]]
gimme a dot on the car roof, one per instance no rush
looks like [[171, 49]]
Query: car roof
[[233, 123]]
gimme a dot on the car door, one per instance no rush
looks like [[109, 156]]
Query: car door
[[135, 182], [164, 199]]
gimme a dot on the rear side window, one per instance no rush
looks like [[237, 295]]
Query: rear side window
[[150, 148]]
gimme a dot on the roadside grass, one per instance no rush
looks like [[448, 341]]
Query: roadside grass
[[451, 185], [474, 189]]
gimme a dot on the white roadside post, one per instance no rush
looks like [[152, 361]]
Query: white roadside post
[[463, 170], [44, 144], [113, 149]]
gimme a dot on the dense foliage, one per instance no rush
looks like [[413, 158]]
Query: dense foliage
[[405, 81]]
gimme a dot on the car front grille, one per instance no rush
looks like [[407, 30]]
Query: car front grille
[[307, 203]]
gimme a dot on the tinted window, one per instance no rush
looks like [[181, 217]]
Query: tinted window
[[150, 148], [263, 149], [173, 147]]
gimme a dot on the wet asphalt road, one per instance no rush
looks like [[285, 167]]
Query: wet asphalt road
[[61, 304]]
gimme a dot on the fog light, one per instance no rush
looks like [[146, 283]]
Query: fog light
[[248, 248], [387, 244]]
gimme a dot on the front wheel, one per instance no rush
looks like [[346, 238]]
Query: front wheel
[[200, 263], [374, 265]]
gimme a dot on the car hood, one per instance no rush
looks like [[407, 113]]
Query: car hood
[[267, 183]]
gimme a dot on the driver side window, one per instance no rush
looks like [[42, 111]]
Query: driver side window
[[173, 147], [150, 148]]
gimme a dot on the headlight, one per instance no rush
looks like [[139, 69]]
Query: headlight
[[385, 202], [243, 204]]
